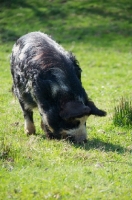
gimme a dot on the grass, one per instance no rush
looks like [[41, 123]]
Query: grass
[[99, 34], [123, 113]]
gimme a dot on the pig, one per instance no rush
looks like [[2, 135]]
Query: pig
[[48, 77]]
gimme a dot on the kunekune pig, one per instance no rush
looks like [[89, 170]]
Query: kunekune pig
[[49, 78]]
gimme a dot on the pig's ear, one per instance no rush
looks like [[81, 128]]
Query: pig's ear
[[95, 110], [74, 109]]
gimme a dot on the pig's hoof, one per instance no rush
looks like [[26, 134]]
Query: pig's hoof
[[29, 128]]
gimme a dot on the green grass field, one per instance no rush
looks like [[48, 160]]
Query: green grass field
[[100, 35]]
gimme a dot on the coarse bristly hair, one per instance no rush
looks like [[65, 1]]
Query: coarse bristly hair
[[48, 77]]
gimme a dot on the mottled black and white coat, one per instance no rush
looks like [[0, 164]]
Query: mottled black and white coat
[[49, 78]]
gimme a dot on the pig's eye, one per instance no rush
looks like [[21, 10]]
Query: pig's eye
[[72, 124]]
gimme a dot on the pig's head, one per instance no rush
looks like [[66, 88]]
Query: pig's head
[[75, 113], [71, 121]]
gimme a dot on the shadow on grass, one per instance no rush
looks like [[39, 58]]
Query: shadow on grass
[[97, 144], [60, 8], [62, 17]]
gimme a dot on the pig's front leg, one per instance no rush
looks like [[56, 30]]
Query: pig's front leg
[[29, 123]]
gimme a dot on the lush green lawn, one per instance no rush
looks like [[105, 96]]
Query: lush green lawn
[[100, 35]]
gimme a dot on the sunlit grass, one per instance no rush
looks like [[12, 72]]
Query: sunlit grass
[[123, 113]]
